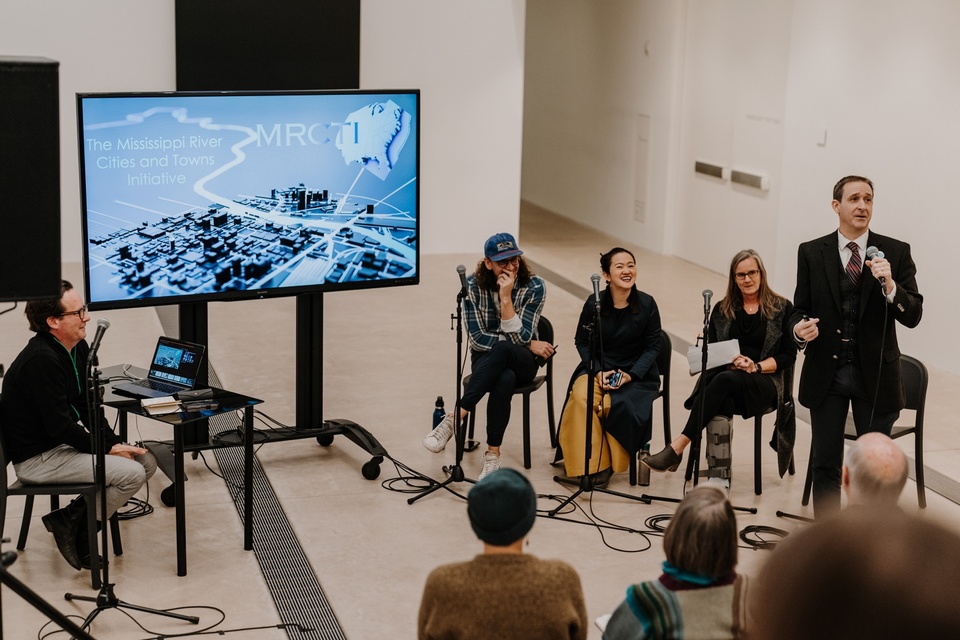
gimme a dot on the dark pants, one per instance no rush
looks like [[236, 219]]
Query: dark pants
[[498, 372], [828, 422], [723, 396]]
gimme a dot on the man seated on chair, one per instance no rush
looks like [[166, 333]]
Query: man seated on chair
[[502, 308], [46, 424], [874, 472]]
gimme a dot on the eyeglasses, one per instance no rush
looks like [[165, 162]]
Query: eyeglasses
[[82, 311], [509, 261], [749, 274]]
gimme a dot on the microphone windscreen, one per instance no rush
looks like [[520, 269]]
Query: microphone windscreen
[[104, 323], [873, 252]]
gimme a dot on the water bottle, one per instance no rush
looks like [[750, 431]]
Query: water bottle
[[644, 471], [438, 412]]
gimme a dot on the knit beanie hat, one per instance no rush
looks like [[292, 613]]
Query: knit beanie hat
[[502, 507]]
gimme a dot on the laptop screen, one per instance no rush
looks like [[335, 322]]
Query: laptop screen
[[176, 362]]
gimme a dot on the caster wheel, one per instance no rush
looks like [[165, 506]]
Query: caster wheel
[[325, 440], [169, 496], [371, 470]]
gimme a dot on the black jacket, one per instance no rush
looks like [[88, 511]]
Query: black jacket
[[44, 400], [818, 296]]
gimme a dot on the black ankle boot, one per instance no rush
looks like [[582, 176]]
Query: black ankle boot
[[666, 460], [62, 523]]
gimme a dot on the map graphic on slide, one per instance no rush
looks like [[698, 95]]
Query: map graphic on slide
[[193, 194]]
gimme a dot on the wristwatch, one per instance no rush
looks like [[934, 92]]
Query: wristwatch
[[759, 368]]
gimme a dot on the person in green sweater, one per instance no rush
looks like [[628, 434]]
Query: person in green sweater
[[699, 594], [503, 592]]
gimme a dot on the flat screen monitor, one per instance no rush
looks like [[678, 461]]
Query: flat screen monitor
[[193, 197]]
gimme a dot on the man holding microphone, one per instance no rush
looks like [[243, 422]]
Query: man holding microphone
[[853, 286]]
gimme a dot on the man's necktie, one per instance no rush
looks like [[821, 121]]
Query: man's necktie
[[854, 264]]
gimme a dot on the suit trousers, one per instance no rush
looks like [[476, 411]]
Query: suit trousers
[[828, 423], [64, 465]]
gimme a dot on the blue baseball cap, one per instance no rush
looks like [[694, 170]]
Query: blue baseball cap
[[501, 247]]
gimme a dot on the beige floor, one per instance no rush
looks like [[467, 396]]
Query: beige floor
[[388, 354]]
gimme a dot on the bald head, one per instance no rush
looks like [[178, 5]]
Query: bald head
[[875, 471]]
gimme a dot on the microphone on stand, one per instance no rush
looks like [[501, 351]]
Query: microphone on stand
[[873, 252], [595, 279], [102, 325], [462, 272], [707, 294]]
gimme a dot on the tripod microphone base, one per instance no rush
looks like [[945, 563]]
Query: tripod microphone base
[[106, 599]]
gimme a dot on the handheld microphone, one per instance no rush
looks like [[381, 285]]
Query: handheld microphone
[[462, 272], [707, 294], [872, 253], [595, 279], [102, 325]]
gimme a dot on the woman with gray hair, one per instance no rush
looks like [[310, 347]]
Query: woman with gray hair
[[757, 317], [699, 594]]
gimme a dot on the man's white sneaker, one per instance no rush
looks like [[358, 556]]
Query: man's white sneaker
[[491, 462], [437, 439]]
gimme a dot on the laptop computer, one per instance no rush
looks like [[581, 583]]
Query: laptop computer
[[174, 368]]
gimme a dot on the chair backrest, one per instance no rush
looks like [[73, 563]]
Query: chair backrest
[[545, 330], [914, 384], [664, 359]]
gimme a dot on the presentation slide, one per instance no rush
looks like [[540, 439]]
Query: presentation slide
[[194, 195]]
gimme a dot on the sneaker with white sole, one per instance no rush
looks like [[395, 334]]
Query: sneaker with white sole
[[491, 462], [437, 439]]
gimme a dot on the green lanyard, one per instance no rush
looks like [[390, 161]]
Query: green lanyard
[[76, 373]]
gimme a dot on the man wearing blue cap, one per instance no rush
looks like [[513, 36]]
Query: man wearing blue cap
[[503, 592], [502, 309]]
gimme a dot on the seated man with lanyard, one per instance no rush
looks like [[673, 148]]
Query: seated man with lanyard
[[44, 417]]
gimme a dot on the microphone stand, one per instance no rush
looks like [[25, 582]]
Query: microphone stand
[[693, 463], [460, 434], [586, 483], [106, 598]]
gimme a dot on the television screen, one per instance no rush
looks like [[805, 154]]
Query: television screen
[[191, 197]]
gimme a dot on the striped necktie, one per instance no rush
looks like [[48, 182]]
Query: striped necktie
[[854, 264]]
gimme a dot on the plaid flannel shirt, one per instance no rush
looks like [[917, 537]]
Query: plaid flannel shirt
[[482, 310]]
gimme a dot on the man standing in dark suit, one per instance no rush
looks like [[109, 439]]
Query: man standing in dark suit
[[844, 319]]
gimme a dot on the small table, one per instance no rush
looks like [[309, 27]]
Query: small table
[[227, 402]]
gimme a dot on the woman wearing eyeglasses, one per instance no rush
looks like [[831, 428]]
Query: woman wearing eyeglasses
[[754, 315]]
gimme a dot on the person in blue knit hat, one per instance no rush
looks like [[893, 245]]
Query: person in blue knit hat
[[503, 592]]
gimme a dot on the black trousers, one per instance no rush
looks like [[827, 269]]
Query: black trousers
[[498, 372], [828, 422], [723, 396]]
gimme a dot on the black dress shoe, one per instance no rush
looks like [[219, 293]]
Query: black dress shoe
[[63, 526], [666, 460]]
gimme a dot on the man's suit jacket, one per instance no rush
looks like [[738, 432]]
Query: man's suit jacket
[[818, 296]]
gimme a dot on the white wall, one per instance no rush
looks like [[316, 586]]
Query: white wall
[[761, 82], [881, 79], [735, 80], [102, 45], [592, 69], [467, 59]]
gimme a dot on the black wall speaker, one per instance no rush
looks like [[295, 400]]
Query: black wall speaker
[[29, 178]]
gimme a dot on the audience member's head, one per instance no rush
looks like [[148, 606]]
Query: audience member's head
[[864, 574], [874, 471], [502, 508], [702, 535]]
